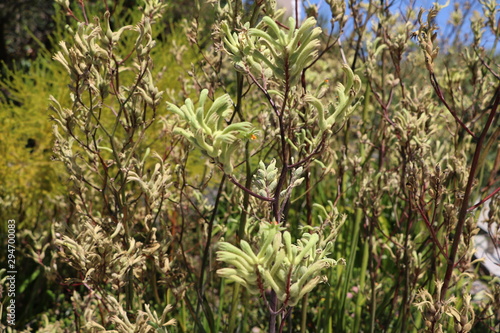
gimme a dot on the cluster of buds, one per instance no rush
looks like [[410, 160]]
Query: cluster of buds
[[338, 10], [154, 185], [345, 94], [265, 180], [84, 59], [146, 321], [433, 309], [465, 320], [426, 36], [290, 270]]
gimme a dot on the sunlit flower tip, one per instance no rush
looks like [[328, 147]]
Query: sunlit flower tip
[[327, 80]]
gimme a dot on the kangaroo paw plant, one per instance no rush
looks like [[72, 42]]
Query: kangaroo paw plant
[[249, 166]]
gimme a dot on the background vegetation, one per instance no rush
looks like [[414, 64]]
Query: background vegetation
[[124, 210]]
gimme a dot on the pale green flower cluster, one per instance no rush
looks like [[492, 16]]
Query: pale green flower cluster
[[290, 270], [343, 106], [208, 130], [274, 51]]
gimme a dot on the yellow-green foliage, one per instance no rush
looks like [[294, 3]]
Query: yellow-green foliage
[[29, 181], [31, 185]]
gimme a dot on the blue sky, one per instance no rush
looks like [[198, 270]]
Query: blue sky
[[442, 20]]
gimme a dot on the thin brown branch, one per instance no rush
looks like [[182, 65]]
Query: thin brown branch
[[265, 92], [489, 196], [440, 95], [252, 193], [468, 189]]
